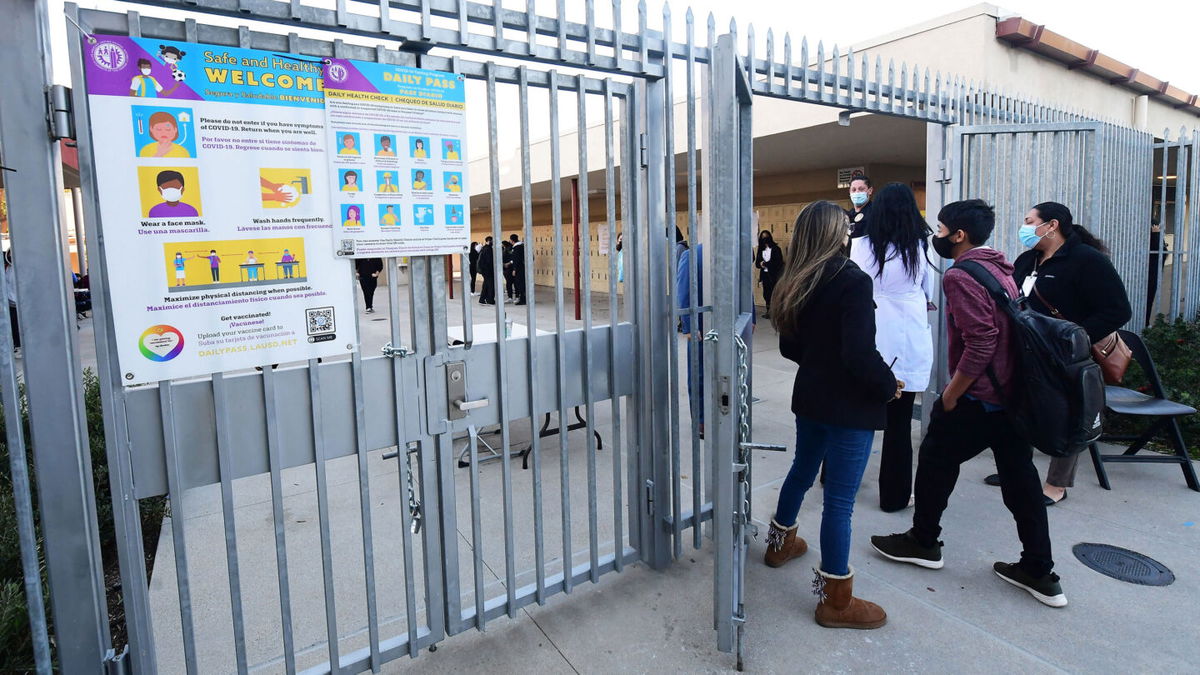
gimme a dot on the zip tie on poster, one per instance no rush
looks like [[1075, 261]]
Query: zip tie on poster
[[90, 38], [323, 62]]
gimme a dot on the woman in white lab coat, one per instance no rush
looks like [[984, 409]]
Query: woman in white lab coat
[[897, 233]]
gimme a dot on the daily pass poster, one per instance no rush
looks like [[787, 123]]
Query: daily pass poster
[[396, 164], [213, 192]]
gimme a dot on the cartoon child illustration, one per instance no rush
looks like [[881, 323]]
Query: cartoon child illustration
[[452, 183], [385, 149], [353, 218], [180, 272], [214, 264], [251, 272], [419, 150], [164, 129], [170, 186], [387, 185], [171, 56], [389, 216], [348, 145], [451, 152], [419, 181], [350, 181], [145, 85], [289, 263]]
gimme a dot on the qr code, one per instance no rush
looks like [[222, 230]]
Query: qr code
[[320, 320]]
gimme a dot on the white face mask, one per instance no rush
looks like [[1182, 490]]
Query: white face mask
[[172, 194], [145, 71]]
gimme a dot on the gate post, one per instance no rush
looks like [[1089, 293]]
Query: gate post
[[58, 432]]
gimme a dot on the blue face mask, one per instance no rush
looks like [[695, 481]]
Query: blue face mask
[[858, 198], [1028, 235]]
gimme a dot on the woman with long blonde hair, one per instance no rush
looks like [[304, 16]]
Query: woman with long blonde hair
[[823, 310]]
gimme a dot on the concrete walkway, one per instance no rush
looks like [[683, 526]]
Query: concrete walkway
[[959, 619]]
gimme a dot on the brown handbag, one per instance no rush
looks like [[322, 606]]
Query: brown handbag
[[1110, 352]]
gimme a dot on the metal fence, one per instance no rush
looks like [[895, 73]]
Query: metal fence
[[437, 549]]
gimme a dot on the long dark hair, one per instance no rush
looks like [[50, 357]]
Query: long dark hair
[[818, 237], [1067, 226], [895, 220], [765, 240]]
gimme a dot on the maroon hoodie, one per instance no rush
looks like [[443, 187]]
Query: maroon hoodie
[[979, 332]]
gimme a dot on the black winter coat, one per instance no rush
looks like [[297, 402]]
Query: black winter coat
[[842, 380], [1081, 283], [486, 264]]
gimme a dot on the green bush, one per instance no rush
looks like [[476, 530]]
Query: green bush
[[16, 647], [1174, 345]]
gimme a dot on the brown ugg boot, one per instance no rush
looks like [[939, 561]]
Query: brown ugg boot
[[838, 608], [783, 544]]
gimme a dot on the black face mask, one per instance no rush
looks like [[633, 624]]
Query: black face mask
[[943, 246]]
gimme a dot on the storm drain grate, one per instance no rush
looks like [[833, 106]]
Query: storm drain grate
[[1123, 564]]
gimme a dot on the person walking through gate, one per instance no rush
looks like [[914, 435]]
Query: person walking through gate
[[487, 269], [892, 251], [1067, 274], [506, 259], [367, 270], [969, 416], [826, 322], [1156, 243], [518, 268], [10, 282], [473, 264], [769, 261]]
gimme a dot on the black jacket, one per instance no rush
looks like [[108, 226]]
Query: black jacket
[[518, 259], [771, 269], [367, 266], [842, 379], [1081, 283], [486, 263], [858, 220], [473, 259]]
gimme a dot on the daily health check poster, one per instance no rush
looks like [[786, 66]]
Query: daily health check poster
[[396, 170], [211, 173]]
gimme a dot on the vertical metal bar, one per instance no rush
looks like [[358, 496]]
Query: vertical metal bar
[[476, 530], [614, 319], [166, 401], [1162, 219], [535, 445], [695, 382], [585, 238], [57, 429], [672, 292], [803, 64], [497, 24], [364, 485], [1181, 208], [769, 83], [275, 462], [530, 27], [560, 21], [464, 29], [402, 389], [225, 464], [589, 33], [618, 42], [787, 62], [630, 214], [319, 456], [560, 360], [510, 572], [820, 93], [643, 32]]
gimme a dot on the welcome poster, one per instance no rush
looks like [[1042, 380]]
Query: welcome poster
[[396, 170], [214, 206]]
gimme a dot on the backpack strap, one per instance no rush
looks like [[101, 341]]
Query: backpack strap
[[1002, 300]]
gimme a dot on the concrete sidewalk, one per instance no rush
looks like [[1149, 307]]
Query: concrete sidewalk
[[959, 619]]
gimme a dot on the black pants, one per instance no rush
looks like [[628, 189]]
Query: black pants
[[16, 330], [368, 284], [957, 436], [768, 284], [519, 285], [895, 462], [488, 295], [474, 273], [509, 284]]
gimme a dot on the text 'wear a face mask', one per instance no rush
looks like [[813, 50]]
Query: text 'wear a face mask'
[[858, 198], [172, 194]]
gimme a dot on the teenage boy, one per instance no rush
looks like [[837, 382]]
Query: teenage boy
[[969, 416]]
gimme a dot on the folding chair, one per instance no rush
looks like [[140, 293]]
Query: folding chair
[[1166, 416]]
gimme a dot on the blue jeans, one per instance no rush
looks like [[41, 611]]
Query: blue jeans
[[845, 452]]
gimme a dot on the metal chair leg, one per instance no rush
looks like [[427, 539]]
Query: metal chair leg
[[1098, 462], [1189, 472]]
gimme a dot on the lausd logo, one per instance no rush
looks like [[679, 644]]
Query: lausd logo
[[161, 343], [109, 56], [338, 72]]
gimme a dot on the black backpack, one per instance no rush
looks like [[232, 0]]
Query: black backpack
[[1058, 402]]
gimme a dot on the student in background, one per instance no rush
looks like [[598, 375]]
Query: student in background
[[969, 416], [367, 270], [769, 261], [892, 251], [487, 269], [826, 321], [518, 269], [473, 263]]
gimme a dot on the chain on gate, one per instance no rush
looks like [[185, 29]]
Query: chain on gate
[[414, 503]]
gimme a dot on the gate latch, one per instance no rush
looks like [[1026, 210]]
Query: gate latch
[[457, 405], [395, 352]]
